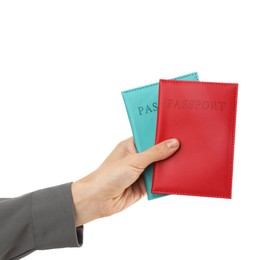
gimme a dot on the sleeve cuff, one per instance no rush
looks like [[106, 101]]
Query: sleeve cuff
[[54, 219]]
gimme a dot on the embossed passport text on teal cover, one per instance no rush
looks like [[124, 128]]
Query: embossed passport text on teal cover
[[141, 105]]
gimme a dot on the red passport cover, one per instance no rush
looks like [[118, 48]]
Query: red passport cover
[[202, 115]]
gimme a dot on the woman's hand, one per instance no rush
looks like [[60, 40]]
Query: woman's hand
[[117, 183]]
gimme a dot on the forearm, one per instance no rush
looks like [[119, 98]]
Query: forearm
[[43, 219]]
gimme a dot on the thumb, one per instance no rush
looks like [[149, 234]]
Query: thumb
[[158, 152]]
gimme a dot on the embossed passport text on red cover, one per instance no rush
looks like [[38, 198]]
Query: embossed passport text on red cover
[[202, 115]]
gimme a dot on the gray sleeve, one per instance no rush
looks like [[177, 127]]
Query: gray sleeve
[[40, 220]]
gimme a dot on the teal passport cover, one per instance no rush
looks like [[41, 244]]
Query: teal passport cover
[[141, 105]]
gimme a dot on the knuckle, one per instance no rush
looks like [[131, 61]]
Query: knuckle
[[159, 150]]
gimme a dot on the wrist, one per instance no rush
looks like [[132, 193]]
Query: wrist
[[84, 200]]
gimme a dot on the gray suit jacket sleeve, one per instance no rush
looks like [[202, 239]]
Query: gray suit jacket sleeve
[[43, 219]]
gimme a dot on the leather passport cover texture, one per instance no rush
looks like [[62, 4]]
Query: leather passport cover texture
[[202, 115], [141, 106]]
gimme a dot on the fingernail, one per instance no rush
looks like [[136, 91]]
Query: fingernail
[[173, 143]]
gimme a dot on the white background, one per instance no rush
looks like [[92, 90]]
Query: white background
[[63, 65]]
